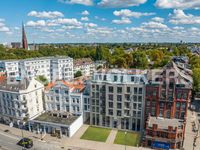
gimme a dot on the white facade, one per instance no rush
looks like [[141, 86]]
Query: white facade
[[20, 100], [52, 68], [118, 99], [63, 128], [64, 97], [86, 66]]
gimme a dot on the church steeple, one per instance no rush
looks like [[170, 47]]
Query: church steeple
[[24, 39]]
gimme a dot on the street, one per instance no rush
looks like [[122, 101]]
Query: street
[[8, 142]]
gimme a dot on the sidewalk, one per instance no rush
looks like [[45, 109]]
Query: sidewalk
[[189, 133], [111, 137], [74, 143]]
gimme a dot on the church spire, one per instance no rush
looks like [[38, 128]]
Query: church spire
[[24, 39]]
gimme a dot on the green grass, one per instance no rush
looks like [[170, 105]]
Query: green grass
[[131, 139], [96, 134]]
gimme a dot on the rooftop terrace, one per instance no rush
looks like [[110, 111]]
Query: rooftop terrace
[[58, 118]]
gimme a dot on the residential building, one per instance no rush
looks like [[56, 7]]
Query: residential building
[[85, 65], [167, 96], [163, 133], [20, 100], [117, 99], [53, 68], [16, 45], [168, 92], [64, 107], [65, 96]]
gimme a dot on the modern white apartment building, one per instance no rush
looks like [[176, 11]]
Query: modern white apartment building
[[64, 96], [117, 99], [85, 65], [52, 68], [20, 100]]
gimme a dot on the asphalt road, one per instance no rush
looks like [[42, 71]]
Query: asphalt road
[[8, 142]]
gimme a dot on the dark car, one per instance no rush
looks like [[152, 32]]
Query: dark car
[[26, 142]]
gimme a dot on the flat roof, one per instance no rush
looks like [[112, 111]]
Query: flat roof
[[48, 117], [164, 123]]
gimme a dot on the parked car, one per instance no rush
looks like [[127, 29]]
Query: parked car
[[26, 142]]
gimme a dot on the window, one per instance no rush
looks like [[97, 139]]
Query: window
[[110, 112], [119, 113], [140, 90], [110, 97], [57, 98], [121, 79], [110, 89], [115, 78], [132, 79], [119, 98], [135, 90], [119, 105], [139, 98], [128, 90], [119, 89], [110, 104]]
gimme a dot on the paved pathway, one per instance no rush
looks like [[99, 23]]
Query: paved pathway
[[189, 133], [80, 132], [111, 137]]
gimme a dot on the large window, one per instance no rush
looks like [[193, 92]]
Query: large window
[[119, 98], [119, 89], [110, 89]]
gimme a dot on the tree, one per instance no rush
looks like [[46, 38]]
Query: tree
[[77, 74], [139, 60], [196, 81]]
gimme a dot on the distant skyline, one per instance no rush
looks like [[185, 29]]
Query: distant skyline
[[101, 21]]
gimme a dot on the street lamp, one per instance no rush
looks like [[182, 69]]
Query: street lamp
[[125, 139]]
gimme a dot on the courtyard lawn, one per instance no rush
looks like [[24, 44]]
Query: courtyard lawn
[[96, 134], [131, 139]]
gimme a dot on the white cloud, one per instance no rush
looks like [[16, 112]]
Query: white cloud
[[85, 12], [129, 13], [66, 21], [178, 28], [155, 25], [84, 18], [3, 27], [91, 25], [179, 17], [82, 2], [179, 4], [70, 27], [120, 3], [158, 19], [47, 30], [122, 21], [39, 23], [45, 14]]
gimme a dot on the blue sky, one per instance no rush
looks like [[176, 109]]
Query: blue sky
[[100, 20]]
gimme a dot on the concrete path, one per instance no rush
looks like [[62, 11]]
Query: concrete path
[[189, 133], [111, 137], [80, 132]]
